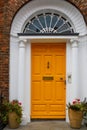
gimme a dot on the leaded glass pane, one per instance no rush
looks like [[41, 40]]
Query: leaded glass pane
[[54, 20], [48, 22], [48, 18]]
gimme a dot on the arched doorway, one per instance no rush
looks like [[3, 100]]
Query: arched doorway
[[20, 58], [48, 64]]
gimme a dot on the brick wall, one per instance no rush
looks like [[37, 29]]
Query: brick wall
[[4, 50], [8, 9], [82, 7]]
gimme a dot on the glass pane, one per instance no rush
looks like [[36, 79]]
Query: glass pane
[[48, 19], [54, 20], [32, 27], [60, 23], [41, 18], [35, 22], [66, 32], [29, 31], [64, 27]]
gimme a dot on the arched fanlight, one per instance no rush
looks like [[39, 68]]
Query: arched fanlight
[[48, 22]]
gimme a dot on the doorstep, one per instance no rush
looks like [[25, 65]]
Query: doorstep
[[46, 125]]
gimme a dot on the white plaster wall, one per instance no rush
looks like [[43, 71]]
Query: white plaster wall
[[13, 91], [68, 71], [18, 23], [27, 89], [83, 67]]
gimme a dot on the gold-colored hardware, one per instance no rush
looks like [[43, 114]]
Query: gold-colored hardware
[[48, 78], [48, 65], [65, 82]]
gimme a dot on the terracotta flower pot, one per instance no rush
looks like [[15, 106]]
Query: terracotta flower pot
[[75, 118], [12, 120]]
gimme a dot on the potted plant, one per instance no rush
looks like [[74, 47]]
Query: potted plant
[[12, 113], [85, 118], [85, 114], [75, 112], [3, 112], [3, 115]]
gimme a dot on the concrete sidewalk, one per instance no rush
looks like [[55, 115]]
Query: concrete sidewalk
[[46, 125]]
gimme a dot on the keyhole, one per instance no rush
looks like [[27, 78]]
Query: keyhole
[[48, 65]]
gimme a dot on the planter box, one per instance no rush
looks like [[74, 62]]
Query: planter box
[[75, 118], [12, 117]]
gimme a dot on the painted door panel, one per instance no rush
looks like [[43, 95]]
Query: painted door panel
[[48, 76]]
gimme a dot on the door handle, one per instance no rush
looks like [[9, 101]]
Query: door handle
[[61, 78]]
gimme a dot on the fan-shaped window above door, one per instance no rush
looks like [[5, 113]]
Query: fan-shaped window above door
[[48, 22]]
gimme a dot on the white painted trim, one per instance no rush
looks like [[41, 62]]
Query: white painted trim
[[75, 87], [21, 72], [27, 91], [47, 37], [80, 36]]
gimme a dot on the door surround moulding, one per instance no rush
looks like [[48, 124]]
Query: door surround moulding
[[17, 25]]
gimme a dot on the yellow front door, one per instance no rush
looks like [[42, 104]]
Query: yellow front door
[[48, 80]]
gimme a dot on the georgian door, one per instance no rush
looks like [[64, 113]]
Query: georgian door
[[48, 80]]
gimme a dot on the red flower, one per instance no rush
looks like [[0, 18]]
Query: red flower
[[20, 103], [78, 100], [74, 102]]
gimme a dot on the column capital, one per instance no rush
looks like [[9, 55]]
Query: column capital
[[22, 43], [74, 42]]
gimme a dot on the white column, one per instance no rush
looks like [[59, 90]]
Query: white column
[[73, 86], [21, 72], [74, 89]]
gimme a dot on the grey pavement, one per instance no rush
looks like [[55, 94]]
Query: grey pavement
[[46, 125]]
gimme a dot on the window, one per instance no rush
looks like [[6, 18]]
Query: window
[[48, 22]]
